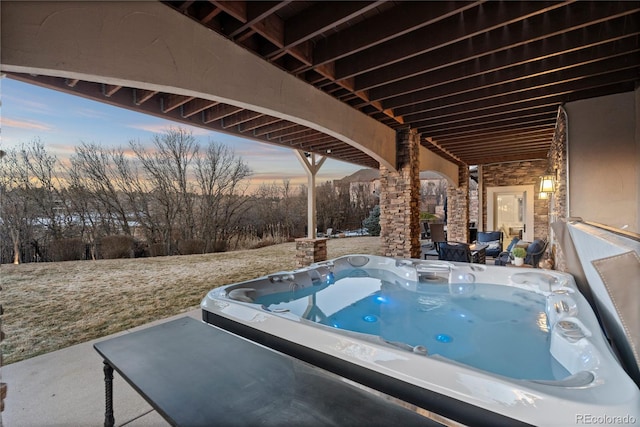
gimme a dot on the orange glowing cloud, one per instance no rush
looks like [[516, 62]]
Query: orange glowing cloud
[[24, 124]]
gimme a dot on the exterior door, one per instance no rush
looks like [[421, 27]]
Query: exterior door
[[510, 209]]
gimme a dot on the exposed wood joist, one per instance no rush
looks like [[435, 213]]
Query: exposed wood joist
[[480, 81]]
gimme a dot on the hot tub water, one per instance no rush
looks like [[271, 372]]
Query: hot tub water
[[498, 329]]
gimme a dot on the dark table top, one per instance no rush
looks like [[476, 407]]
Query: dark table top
[[195, 374], [478, 246]]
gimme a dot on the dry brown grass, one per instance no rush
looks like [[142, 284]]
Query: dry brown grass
[[48, 306]]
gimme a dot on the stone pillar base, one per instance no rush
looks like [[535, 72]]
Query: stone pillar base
[[309, 251]]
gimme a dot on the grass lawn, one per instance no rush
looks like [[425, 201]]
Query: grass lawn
[[48, 306]]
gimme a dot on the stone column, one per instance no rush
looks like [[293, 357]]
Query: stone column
[[400, 199], [558, 161], [309, 251], [458, 208]]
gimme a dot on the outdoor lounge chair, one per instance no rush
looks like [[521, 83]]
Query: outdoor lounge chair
[[493, 239]]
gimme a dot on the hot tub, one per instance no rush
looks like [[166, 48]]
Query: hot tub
[[473, 343]]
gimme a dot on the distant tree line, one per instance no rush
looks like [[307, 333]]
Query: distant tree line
[[176, 197]]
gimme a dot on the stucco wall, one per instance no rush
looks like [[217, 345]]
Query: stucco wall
[[604, 160]]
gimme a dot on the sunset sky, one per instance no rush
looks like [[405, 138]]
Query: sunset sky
[[63, 121]]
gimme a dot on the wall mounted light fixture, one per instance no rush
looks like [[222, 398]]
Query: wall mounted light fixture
[[547, 185]]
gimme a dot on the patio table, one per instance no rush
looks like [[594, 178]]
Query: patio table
[[195, 374], [479, 253]]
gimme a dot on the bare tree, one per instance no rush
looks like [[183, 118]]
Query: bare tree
[[166, 169], [221, 179], [44, 187], [34, 202], [93, 168], [173, 192], [14, 204]]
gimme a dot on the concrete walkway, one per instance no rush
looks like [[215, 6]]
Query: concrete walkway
[[66, 388]]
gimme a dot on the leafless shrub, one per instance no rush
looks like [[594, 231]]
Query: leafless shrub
[[191, 246], [251, 241], [115, 247], [67, 250], [157, 249], [140, 249]]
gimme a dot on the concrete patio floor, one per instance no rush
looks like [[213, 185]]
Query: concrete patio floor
[[66, 388]]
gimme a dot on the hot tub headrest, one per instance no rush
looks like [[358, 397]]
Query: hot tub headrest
[[242, 294]]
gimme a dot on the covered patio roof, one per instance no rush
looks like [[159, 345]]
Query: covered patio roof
[[480, 81]]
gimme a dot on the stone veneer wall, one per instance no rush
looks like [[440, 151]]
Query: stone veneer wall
[[518, 173], [458, 208], [400, 200], [309, 251], [558, 161], [473, 205]]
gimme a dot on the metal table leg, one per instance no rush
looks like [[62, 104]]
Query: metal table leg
[[109, 420]]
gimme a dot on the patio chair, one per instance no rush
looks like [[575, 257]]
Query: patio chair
[[437, 236], [535, 251], [455, 251], [424, 230], [493, 239]]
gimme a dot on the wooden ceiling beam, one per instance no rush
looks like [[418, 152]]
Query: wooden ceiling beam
[[318, 19], [515, 149], [463, 26], [286, 132], [258, 122], [497, 114], [386, 26], [109, 90], [563, 67], [521, 33], [237, 9], [580, 45], [239, 118], [505, 157], [513, 125], [545, 114], [258, 11], [170, 102], [264, 130], [196, 106], [140, 96], [520, 99], [510, 82], [506, 136], [307, 137], [488, 147], [218, 112]]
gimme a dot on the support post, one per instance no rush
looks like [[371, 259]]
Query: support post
[[400, 199], [310, 249], [458, 207], [312, 164]]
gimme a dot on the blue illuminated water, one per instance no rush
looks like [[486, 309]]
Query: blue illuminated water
[[495, 328]]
